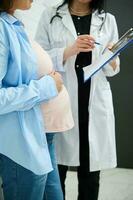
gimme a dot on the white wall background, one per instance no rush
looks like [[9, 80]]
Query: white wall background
[[31, 17]]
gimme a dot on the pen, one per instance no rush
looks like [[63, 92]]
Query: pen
[[97, 43]]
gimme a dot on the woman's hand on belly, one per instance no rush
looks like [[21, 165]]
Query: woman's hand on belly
[[58, 79]]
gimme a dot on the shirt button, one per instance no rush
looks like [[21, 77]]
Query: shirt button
[[77, 66], [78, 18], [78, 33]]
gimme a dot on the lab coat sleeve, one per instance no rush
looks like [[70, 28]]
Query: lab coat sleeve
[[108, 70], [43, 38], [25, 96]]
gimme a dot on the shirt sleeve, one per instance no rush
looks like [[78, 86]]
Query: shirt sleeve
[[25, 96], [108, 70], [42, 37]]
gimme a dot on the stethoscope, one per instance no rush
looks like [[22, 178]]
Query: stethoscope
[[101, 26], [56, 15], [99, 30]]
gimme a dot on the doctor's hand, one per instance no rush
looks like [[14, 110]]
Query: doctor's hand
[[58, 79], [84, 43]]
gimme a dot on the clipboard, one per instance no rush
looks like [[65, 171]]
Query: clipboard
[[108, 55], [125, 40]]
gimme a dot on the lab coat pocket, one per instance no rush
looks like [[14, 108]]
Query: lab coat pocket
[[107, 97]]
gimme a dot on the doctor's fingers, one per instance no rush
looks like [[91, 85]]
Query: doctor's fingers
[[85, 43], [110, 45], [86, 37], [85, 46]]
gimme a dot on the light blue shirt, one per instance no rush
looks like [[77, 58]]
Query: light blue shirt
[[22, 136]]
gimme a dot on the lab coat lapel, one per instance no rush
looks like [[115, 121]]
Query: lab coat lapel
[[95, 29], [96, 22], [67, 21]]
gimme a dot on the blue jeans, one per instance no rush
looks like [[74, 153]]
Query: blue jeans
[[53, 189], [20, 183]]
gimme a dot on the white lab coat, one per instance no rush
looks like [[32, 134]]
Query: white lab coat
[[54, 38]]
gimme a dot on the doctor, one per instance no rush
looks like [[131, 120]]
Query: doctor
[[71, 33]]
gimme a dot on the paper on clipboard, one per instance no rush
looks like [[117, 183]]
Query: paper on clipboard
[[108, 55], [96, 66]]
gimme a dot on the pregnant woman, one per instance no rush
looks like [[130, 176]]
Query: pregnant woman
[[25, 161]]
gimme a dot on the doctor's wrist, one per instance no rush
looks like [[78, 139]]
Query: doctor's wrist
[[114, 63], [68, 52]]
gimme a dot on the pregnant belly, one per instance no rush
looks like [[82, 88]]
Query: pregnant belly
[[56, 112]]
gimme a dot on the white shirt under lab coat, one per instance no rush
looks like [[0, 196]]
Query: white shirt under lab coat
[[54, 38]]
